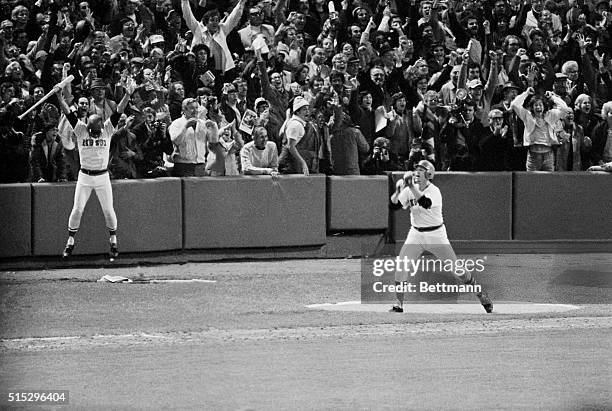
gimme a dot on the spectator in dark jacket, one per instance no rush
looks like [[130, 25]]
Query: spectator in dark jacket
[[47, 158], [347, 145]]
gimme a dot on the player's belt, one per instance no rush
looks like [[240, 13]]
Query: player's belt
[[93, 172], [425, 229]]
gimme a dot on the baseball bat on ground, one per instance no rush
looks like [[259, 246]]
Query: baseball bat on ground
[[58, 86]]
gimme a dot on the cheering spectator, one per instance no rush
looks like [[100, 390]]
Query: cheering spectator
[[300, 154], [573, 146], [540, 123], [189, 137], [213, 32]]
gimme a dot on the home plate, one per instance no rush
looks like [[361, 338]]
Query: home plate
[[501, 307]]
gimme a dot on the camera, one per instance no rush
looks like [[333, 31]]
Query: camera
[[456, 110]]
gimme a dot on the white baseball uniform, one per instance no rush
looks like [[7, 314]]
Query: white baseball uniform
[[428, 232], [94, 155]]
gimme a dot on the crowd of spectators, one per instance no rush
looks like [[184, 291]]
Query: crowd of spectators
[[224, 87]]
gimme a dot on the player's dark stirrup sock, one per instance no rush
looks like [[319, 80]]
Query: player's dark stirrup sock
[[113, 235], [71, 233]]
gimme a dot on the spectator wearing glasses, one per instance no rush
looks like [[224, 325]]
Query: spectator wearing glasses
[[577, 77], [495, 144], [254, 28]]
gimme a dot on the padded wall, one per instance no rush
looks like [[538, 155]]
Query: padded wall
[[15, 220], [475, 206], [149, 216], [357, 202], [254, 211], [561, 206]]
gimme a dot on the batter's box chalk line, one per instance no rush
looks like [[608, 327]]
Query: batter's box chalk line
[[501, 307]]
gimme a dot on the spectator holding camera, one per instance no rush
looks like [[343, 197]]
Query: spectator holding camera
[[381, 160], [153, 140]]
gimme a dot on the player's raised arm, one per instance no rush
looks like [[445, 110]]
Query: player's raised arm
[[72, 118]]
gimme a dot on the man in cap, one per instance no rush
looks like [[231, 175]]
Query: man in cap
[[482, 95], [416, 191], [560, 88], [99, 104], [300, 153], [261, 105]]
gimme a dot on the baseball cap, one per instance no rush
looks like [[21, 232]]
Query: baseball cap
[[97, 83], [560, 77], [508, 85], [261, 100], [474, 83], [137, 60], [299, 102]]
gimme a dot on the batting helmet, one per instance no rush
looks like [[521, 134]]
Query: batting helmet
[[426, 166]]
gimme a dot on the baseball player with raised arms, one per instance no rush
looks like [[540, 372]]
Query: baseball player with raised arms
[[93, 140], [428, 233]]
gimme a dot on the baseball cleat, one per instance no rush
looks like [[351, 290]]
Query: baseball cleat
[[68, 250], [396, 309], [114, 252], [485, 301]]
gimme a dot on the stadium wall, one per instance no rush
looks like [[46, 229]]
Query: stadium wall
[[253, 211], [314, 216], [476, 206], [149, 214], [15, 220]]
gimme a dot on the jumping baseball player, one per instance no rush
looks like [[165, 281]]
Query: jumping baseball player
[[428, 233], [93, 140]]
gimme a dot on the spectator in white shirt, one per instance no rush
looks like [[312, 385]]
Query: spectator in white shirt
[[259, 156]]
